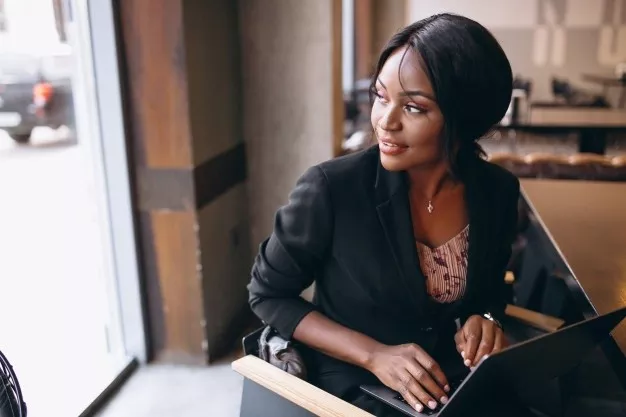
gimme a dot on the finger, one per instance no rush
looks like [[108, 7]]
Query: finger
[[459, 339], [473, 336], [500, 341], [433, 368], [414, 402], [406, 393], [433, 378], [505, 340], [418, 386], [486, 342]]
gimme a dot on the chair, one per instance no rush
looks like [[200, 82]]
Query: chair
[[579, 166], [512, 162], [619, 161], [588, 159], [11, 399], [544, 165], [617, 170], [269, 391]]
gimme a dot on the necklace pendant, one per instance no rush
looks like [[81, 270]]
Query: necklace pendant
[[430, 207]]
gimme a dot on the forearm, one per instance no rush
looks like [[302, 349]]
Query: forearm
[[321, 333]]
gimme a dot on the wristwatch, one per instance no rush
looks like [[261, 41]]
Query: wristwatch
[[489, 317]]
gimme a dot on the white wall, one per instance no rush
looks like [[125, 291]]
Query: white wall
[[546, 37], [491, 13]]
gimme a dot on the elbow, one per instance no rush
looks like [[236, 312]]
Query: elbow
[[260, 298], [255, 298], [254, 301]]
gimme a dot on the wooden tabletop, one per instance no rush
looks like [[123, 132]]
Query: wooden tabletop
[[586, 222]]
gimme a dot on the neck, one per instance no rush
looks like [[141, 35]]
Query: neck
[[428, 180]]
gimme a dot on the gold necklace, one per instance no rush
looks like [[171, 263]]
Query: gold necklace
[[429, 207]]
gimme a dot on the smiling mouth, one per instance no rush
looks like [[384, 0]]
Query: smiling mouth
[[392, 149], [392, 144]]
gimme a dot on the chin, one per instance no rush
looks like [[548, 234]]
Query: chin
[[394, 163], [406, 161]]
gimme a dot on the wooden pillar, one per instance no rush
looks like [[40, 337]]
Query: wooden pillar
[[389, 16], [363, 38], [200, 76], [182, 103], [375, 21], [160, 135]]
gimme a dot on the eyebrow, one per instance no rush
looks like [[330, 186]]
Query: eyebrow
[[411, 92]]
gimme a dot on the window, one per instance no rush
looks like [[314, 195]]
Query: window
[[3, 19], [72, 276]]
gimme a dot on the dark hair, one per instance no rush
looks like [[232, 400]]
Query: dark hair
[[470, 75]]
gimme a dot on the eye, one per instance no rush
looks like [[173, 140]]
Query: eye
[[413, 109], [379, 96]]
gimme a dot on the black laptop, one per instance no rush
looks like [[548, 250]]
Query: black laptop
[[515, 366]]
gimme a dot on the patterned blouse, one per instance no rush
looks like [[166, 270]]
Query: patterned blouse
[[445, 267]]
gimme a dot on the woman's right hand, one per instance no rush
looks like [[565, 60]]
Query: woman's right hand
[[410, 371]]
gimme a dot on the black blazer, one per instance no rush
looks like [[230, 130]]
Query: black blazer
[[347, 227]]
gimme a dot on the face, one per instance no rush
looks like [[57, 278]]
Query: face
[[405, 116]]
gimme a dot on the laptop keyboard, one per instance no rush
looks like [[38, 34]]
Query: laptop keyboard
[[454, 384]]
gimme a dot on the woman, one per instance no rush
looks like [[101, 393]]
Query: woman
[[407, 241]]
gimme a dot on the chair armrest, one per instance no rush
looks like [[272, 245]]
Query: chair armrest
[[293, 389], [533, 318]]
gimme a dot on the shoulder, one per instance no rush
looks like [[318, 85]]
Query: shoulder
[[497, 179], [336, 177], [353, 168]]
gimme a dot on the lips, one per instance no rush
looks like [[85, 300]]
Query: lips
[[392, 143], [391, 147]]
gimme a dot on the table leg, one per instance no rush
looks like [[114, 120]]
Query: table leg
[[592, 141]]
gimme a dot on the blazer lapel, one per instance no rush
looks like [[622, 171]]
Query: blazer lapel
[[393, 209], [479, 215], [479, 240], [395, 217]]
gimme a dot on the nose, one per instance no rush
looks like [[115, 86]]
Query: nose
[[390, 121]]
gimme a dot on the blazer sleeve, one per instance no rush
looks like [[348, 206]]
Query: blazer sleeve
[[288, 260], [509, 231]]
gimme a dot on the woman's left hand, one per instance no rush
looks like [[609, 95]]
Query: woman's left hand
[[477, 338]]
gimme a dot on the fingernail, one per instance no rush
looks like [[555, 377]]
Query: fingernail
[[446, 388], [444, 400], [467, 362], [419, 408], [432, 405], [463, 354]]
